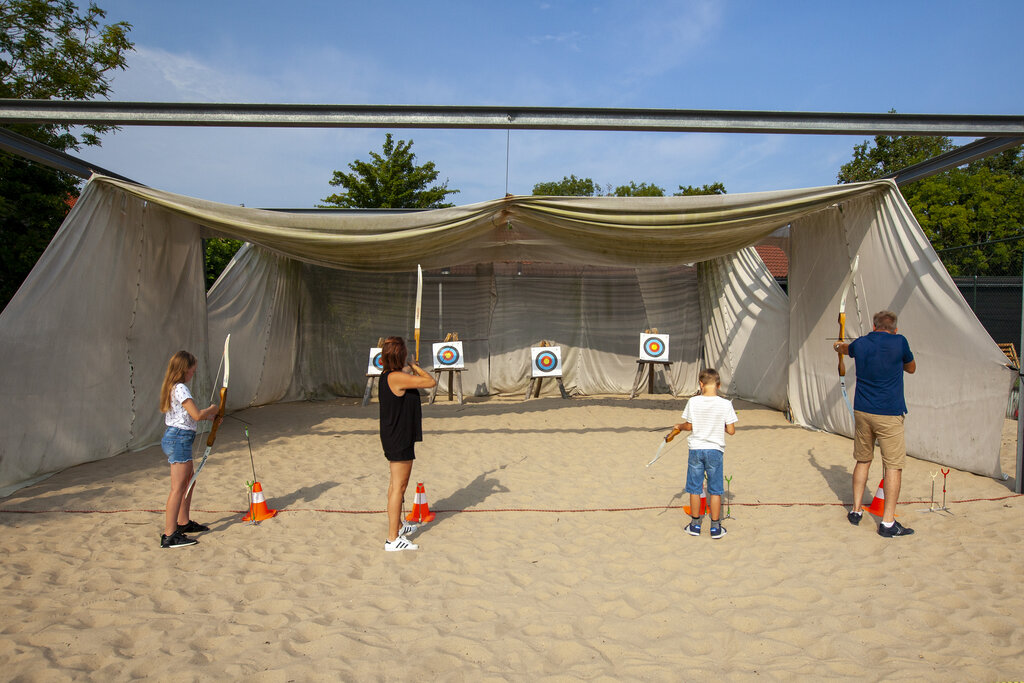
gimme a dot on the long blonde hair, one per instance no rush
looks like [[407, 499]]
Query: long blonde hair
[[177, 368]]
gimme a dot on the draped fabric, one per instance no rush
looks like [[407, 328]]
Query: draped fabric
[[121, 288], [961, 373]]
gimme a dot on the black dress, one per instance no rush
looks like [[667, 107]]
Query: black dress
[[401, 419]]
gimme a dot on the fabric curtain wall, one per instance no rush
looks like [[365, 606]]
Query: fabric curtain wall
[[621, 232], [529, 309], [898, 271], [303, 332], [257, 300], [671, 298], [87, 337], [121, 288], [746, 327]]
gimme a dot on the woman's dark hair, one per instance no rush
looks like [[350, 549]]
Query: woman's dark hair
[[393, 354]]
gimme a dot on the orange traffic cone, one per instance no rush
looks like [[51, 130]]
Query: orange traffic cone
[[877, 506], [258, 507], [703, 505], [420, 510]]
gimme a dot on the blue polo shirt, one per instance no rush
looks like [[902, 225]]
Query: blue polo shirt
[[880, 358]]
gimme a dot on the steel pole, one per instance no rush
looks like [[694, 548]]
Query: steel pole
[[1018, 485]]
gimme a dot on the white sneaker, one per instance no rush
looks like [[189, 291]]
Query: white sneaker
[[408, 528], [400, 543]]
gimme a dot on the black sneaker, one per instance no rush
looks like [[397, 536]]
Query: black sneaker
[[717, 531], [192, 528], [854, 517], [176, 540], [896, 529]]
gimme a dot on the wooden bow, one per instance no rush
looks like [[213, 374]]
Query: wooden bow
[[217, 420], [419, 301], [842, 329]]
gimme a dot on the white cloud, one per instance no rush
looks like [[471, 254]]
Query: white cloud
[[569, 39], [157, 75]]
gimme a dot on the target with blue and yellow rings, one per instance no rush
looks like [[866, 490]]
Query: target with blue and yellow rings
[[654, 347], [448, 356], [546, 361]]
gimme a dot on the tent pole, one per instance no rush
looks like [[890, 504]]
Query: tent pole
[[1018, 485]]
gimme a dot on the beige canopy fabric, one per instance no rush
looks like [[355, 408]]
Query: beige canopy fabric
[[121, 288]]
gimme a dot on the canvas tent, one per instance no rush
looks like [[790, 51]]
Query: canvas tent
[[121, 287]]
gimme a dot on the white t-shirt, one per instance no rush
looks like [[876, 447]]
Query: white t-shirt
[[708, 415], [177, 416]]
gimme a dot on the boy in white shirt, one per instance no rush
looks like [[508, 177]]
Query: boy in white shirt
[[708, 417]]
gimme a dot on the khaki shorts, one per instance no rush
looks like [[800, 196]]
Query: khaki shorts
[[888, 429]]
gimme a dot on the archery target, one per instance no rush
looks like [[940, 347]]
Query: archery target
[[547, 361], [654, 347], [448, 356], [376, 365]]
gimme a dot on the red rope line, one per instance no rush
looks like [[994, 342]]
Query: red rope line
[[493, 510]]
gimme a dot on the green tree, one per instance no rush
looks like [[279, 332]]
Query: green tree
[[641, 190], [568, 186], [889, 154], [218, 252], [690, 190], [571, 186], [49, 49], [390, 181], [980, 202]]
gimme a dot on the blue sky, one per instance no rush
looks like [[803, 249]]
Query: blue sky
[[913, 56]]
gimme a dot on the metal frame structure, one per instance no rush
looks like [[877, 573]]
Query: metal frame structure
[[501, 118], [998, 132], [48, 156]]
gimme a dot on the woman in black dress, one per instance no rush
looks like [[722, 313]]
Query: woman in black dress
[[401, 427]]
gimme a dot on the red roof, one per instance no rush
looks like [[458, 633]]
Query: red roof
[[775, 258]]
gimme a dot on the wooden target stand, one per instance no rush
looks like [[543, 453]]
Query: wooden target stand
[[650, 365], [454, 372], [533, 389]]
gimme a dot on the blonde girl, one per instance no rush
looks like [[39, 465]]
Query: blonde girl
[[180, 415]]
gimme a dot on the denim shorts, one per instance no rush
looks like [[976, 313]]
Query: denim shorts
[[705, 460], [177, 444]]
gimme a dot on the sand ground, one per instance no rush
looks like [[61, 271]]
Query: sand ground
[[555, 555]]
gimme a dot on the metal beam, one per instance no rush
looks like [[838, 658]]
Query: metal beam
[[501, 118], [955, 157], [48, 156]]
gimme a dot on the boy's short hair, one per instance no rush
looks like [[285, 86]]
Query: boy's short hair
[[709, 376], [884, 320]]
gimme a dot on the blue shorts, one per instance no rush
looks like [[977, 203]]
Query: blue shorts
[[705, 460], [177, 444]]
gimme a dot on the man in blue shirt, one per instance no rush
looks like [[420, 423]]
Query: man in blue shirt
[[879, 408]]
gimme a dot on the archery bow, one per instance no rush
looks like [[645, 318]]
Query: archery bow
[[220, 415], [419, 300], [842, 329], [671, 435]]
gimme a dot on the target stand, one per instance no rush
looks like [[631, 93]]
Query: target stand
[[649, 366], [653, 354], [373, 370], [546, 362], [448, 358]]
